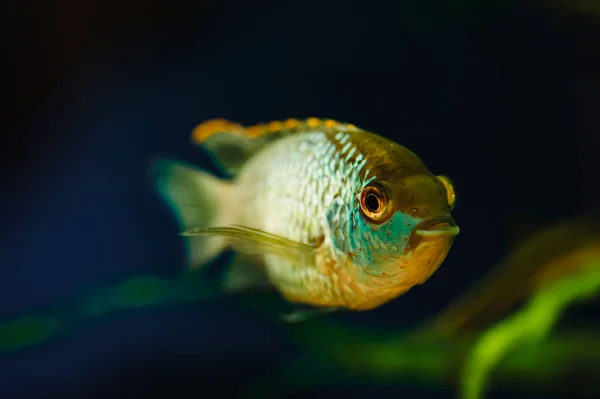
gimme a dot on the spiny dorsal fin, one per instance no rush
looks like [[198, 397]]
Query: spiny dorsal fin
[[231, 143]]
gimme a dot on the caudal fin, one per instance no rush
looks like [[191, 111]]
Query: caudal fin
[[198, 200]]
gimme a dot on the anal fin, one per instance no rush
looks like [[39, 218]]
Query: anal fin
[[245, 273]]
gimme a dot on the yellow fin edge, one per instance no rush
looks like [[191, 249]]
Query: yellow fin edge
[[209, 128]]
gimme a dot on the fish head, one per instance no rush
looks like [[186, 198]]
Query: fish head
[[403, 224]]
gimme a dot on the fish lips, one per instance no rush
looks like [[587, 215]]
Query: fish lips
[[440, 228], [430, 242], [437, 227]]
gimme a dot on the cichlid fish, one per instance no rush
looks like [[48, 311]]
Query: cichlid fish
[[328, 214]]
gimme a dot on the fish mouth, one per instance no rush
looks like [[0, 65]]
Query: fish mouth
[[437, 227]]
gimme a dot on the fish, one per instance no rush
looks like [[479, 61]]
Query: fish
[[331, 216]]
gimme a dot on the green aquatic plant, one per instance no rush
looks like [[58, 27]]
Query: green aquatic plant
[[136, 292], [338, 354], [530, 325], [25, 332]]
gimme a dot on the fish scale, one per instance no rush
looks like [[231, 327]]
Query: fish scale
[[311, 160]]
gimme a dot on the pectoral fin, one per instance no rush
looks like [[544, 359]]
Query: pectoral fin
[[253, 241]]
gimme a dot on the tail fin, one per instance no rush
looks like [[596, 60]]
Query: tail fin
[[198, 200]]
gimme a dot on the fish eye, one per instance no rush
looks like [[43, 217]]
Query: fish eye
[[450, 191], [374, 203]]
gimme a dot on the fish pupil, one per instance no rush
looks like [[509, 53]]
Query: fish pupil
[[372, 203]]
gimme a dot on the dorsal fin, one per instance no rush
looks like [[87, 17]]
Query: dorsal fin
[[231, 143]]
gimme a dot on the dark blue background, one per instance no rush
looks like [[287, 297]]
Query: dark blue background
[[499, 98]]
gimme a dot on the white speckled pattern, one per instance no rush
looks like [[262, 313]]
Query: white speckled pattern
[[289, 188]]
